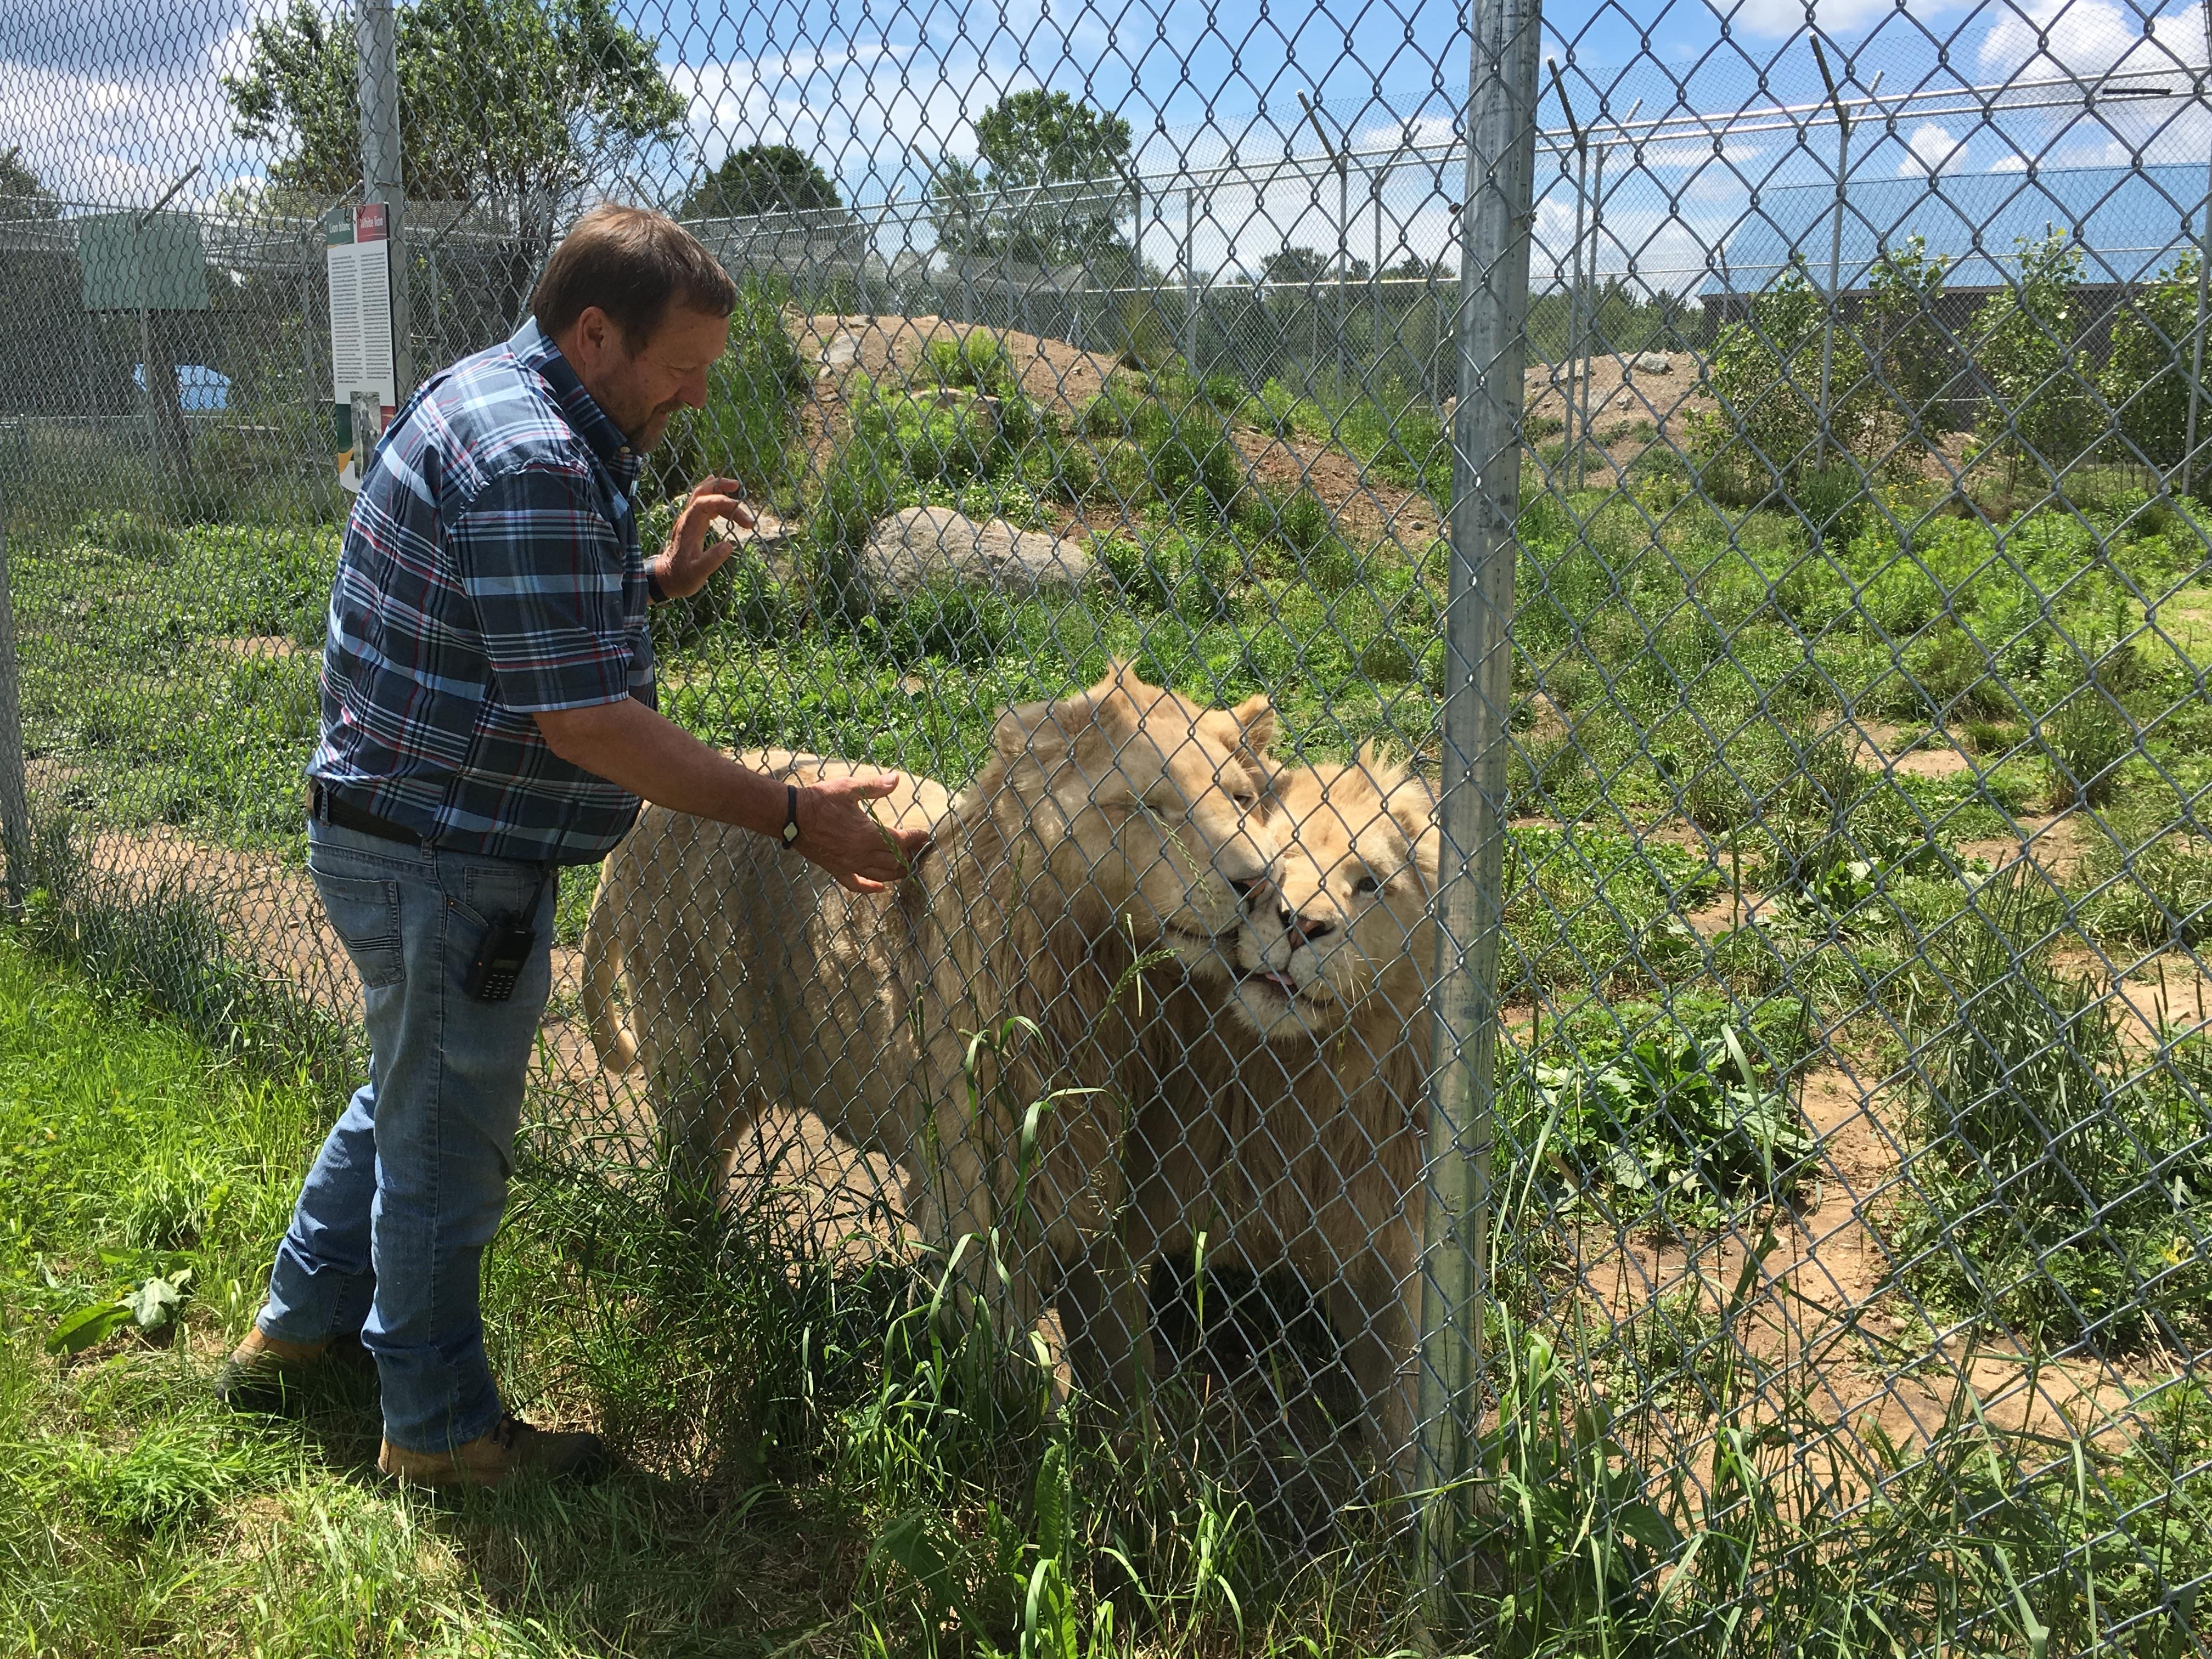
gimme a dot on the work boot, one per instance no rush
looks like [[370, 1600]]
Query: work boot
[[510, 1448], [267, 1373]]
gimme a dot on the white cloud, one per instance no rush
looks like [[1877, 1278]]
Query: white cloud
[[1777, 19], [2094, 38], [1929, 149]]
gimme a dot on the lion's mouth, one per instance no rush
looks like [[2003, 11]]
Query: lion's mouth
[[1281, 984]]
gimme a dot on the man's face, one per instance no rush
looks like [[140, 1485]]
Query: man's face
[[641, 391]]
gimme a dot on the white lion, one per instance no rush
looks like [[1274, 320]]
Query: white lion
[[1290, 1132], [925, 1023]]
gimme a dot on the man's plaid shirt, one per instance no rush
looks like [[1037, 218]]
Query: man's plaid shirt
[[489, 571]]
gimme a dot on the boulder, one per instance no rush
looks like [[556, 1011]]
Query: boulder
[[1651, 362], [919, 545], [842, 352]]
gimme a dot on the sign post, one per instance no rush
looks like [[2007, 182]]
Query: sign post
[[364, 375]]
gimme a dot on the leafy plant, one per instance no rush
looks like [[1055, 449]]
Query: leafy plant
[[2029, 350], [2146, 375], [1682, 1127], [2064, 1188], [153, 1306]]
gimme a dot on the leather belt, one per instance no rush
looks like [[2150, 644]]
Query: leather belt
[[332, 808]]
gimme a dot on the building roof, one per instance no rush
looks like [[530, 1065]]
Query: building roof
[[2129, 221]]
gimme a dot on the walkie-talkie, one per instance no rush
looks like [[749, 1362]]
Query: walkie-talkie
[[506, 946]]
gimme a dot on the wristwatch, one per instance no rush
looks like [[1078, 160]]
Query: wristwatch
[[790, 815]]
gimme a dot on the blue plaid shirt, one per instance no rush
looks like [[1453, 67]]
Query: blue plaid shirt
[[489, 572]]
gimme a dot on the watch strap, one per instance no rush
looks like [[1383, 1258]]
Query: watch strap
[[654, 591], [790, 815]]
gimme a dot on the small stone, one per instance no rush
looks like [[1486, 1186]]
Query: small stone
[[918, 544], [767, 531]]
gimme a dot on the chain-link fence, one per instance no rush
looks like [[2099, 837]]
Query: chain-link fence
[[1666, 543]]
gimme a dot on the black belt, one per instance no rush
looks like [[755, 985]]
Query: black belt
[[331, 808]]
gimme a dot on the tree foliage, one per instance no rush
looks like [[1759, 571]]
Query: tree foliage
[[2030, 351], [1045, 189], [761, 178], [23, 192], [1303, 266], [1766, 373], [1906, 343], [2146, 378], [520, 107]]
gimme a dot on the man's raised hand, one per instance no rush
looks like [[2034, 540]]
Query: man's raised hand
[[836, 831], [688, 559]]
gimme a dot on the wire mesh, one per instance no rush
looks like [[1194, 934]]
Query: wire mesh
[[1804, 1227]]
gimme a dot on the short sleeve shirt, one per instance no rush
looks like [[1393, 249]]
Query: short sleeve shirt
[[489, 572]]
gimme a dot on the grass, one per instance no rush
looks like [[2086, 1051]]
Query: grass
[[807, 1466]]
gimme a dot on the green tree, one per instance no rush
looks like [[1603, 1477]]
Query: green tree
[[1906, 344], [1300, 267], [2146, 378], [2030, 354], [761, 178], [1764, 372], [520, 108], [23, 194], [1045, 189]]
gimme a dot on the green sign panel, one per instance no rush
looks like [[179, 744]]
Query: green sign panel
[[159, 266]]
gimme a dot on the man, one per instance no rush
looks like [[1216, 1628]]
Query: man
[[489, 716]]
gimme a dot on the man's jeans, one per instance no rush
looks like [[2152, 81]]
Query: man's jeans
[[389, 1234]]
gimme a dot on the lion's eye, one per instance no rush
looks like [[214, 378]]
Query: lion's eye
[[1367, 884], [1245, 799]]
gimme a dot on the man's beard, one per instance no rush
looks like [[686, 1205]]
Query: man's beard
[[647, 436]]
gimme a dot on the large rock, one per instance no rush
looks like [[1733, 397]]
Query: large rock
[[920, 544], [1651, 362]]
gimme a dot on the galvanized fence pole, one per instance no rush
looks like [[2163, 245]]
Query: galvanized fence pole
[[1496, 221], [2204, 277], [14, 790], [1568, 406], [382, 176]]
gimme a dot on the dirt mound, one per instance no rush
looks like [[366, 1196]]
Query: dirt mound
[[1054, 373]]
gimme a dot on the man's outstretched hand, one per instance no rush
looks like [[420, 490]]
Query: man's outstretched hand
[[688, 559], [632, 746], [837, 832]]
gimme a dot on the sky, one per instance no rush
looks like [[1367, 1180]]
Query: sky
[[111, 100]]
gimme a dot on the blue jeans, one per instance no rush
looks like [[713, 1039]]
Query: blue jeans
[[390, 1231]]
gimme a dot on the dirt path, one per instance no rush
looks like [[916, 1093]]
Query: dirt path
[[271, 918]]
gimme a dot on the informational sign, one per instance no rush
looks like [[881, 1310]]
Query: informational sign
[[364, 380], [160, 265]]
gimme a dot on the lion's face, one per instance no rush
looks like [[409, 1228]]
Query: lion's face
[[1344, 928], [1153, 805]]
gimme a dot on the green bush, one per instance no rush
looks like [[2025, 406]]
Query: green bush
[[130, 536], [2146, 377], [2062, 1182], [1676, 1113], [2149, 875], [2029, 349]]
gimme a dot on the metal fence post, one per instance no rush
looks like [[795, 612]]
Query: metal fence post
[[14, 790], [1496, 222], [382, 177], [2204, 277]]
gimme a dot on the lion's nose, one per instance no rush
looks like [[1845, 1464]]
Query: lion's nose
[[1302, 930]]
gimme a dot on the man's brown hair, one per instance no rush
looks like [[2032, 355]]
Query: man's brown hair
[[633, 264]]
